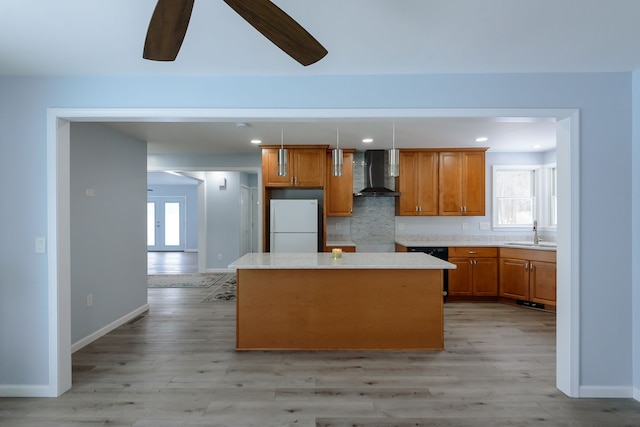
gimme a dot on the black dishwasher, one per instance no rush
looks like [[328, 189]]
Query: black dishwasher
[[441, 252]]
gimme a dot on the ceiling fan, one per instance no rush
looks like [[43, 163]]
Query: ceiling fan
[[170, 20]]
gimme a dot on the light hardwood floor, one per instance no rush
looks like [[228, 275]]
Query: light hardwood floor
[[176, 366], [172, 262]]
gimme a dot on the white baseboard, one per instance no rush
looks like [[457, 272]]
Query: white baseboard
[[110, 327], [606, 391], [25, 391], [191, 250], [636, 393]]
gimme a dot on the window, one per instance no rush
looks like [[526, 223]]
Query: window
[[515, 190], [550, 192]]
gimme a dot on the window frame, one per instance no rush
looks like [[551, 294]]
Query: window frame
[[549, 179], [535, 169]]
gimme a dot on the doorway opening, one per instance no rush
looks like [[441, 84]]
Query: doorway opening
[[58, 140]]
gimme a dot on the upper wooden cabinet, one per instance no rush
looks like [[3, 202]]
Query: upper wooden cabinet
[[417, 183], [339, 189], [306, 166], [462, 182]]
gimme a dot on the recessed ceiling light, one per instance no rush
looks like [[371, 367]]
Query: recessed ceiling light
[[482, 139], [256, 141], [537, 146], [367, 140]]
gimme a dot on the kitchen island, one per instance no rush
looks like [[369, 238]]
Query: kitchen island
[[375, 301]]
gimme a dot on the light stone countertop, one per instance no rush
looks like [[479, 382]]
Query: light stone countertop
[[339, 243], [349, 260], [542, 246]]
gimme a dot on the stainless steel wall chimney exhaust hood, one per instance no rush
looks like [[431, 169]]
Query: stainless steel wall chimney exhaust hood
[[374, 176]]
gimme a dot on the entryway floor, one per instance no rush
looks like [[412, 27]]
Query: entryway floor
[[172, 262]]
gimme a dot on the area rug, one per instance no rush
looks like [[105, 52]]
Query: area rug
[[195, 280], [225, 289]]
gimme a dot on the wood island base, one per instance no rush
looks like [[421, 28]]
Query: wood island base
[[339, 309]]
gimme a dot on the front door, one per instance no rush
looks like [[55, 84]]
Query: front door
[[165, 224]]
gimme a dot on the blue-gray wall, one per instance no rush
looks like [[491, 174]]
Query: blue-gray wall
[[108, 230], [604, 101], [636, 233]]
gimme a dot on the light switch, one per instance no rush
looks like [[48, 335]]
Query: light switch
[[89, 192], [41, 245]]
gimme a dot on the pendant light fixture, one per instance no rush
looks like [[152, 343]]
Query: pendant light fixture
[[283, 156], [394, 155], [336, 156]]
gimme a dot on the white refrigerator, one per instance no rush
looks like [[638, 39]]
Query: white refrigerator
[[294, 226]]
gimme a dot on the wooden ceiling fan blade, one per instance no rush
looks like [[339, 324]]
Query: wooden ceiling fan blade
[[281, 29], [167, 29]]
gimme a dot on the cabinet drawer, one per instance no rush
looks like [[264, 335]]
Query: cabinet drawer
[[472, 252], [528, 254]]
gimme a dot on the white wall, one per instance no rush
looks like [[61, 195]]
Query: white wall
[[604, 101]]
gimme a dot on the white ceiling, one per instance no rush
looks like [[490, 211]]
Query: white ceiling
[[504, 134], [105, 37]]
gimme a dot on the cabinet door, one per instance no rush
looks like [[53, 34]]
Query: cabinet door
[[543, 282], [427, 183], [270, 176], [460, 278], [339, 198], [514, 278], [473, 183], [406, 184], [462, 183], [450, 184], [308, 167], [485, 277]]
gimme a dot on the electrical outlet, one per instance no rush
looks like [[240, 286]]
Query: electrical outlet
[[89, 192], [338, 226], [465, 225], [485, 226], [401, 226], [219, 257], [89, 300]]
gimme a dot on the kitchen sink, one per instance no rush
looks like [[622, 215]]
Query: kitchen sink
[[541, 244]]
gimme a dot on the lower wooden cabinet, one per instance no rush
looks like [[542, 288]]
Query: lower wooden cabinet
[[476, 273], [528, 275]]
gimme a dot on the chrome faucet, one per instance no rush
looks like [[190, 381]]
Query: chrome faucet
[[535, 232]]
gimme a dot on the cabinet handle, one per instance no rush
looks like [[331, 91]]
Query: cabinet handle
[[526, 266], [465, 209], [473, 252], [420, 208], [351, 209], [416, 209], [460, 209]]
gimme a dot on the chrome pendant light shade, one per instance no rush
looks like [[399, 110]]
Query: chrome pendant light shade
[[394, 156], [283, 157], [336, 156]]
